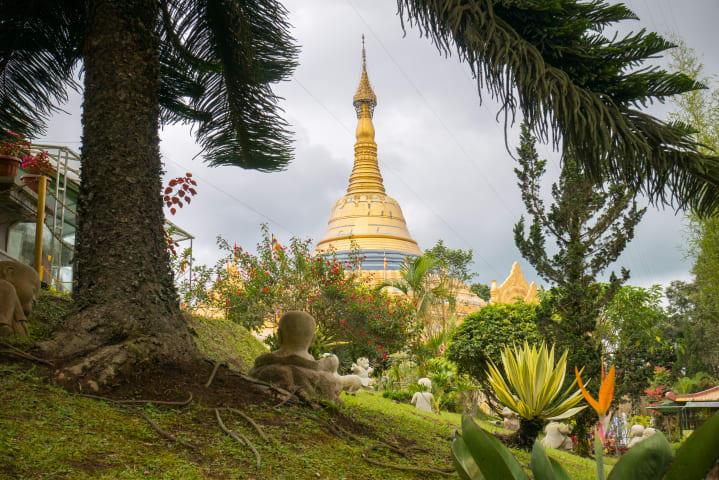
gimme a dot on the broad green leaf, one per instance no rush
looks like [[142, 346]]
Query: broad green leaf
[[559, 472], [467, 468], [540, 464], [647, 460], [493, 459], [698, 453]]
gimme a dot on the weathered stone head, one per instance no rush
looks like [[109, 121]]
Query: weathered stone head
[[425, 383], [25, 280], [295, 334], [19, 286]]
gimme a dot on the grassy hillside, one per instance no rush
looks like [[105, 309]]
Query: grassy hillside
[[49, 433]]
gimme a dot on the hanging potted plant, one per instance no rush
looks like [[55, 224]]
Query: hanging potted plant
[[12, 147], [34, 166]]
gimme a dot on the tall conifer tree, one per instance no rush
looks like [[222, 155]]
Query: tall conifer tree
[[591, 225]]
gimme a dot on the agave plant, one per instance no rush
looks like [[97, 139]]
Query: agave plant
[[532, 387], [479, 455]]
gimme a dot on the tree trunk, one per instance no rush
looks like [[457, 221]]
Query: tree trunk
[[127, 307], [528, 432]]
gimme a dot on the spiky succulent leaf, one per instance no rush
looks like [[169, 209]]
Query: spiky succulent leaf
[[532, 382]]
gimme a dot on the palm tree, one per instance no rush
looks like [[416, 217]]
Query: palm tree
[[145, 63], [551, 61], [418, 283]]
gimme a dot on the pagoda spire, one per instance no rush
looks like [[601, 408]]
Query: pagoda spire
[[365, 177]]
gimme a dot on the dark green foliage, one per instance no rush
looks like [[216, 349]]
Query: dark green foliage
[[481, 290], [401, 396], [454, 262], [551, 60], [591, 225], [633, 330], [484, 333], [217, 61]]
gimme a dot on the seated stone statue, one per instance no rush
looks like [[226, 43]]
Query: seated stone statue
[[423, 400], [362, 369], [19, 287], [636, 435], [349, 383], [557, 436], [291, 366], [511, 419]]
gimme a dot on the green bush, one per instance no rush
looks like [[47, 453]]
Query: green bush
[[401, 396], [484, 334]]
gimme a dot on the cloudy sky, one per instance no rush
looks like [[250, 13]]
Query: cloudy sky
[[441, 152]]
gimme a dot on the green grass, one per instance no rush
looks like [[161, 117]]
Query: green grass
[[48, 433]]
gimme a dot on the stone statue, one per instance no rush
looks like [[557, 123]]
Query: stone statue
[[648, 432], [19, 287], [557, 436], [511, 419], [636, 435], [424, 399], [291, 366], [349, 383], [362, 369]]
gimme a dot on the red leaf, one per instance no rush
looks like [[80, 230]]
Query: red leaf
[[166, 198], [179, 204], [188, 199], [181, 193], [168, 190], [188, 174], [186, 187], [169, 204], [193, 182], [193, 191], [173, 211], [175, 200], [173, 182], [180, 180]]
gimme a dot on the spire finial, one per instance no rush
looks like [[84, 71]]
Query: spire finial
[[364, 95], [364, 55]]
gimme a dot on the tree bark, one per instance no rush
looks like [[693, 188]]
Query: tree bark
[[127, 307]]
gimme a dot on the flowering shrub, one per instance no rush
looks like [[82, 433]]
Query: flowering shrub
[[14, 144], [37, 164], [179, 190], [256, 289]]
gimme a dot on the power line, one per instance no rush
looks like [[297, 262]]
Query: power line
[[244, 204], [467, 157]]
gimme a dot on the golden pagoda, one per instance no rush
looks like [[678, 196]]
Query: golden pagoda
[[366, 218]]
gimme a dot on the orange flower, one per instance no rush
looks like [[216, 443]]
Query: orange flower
[[606, 391]]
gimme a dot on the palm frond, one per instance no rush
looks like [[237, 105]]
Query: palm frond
[[575, 87], [234, 50], [39, 48]]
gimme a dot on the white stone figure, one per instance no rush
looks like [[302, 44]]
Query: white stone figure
[[424, 399], [648, 432], [557, 436], [511, 419], [362, 369], [636, 435], [350, 383]]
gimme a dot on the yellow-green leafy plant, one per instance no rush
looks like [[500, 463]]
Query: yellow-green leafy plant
[[532, 386]]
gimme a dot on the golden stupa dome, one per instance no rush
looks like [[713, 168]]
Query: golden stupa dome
[[366, 218]]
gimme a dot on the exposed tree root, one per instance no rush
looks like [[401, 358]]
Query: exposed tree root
[[17, 353], [284, 401], [238, 437], [407, 468], [249, 419], [179, 403], [168, 435], [300, 395], [104, 343], [212, 375]]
